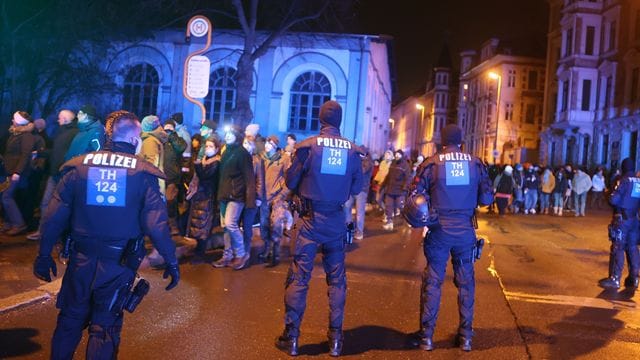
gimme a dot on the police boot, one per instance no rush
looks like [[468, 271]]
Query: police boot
[[275, 255], [335, 342], [287, 344], [612, 282], [631, 282], [422, 341], [463, 342]]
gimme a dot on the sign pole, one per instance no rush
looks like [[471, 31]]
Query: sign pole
[[195, 83]]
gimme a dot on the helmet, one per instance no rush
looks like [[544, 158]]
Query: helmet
[[416, 211]]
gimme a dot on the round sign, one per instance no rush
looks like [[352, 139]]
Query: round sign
[[199, 27], [496, 153]]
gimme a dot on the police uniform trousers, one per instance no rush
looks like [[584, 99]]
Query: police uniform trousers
[[325, 228], [456, 237], [91, 280], [628, 246]]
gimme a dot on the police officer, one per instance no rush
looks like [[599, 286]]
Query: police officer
[[455, 183], [623, 230], [325, 170], [105, 199]]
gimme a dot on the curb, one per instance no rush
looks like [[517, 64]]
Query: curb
[[43, 292]]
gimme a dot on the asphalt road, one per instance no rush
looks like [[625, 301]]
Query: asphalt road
[[536, 297]]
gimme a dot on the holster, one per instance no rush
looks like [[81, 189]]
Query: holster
[[477, 249], [350, 231], [133, 254], [129, 296], [615, 229]]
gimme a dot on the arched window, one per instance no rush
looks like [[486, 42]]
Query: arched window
[[308, 92], [140, 93], [222, 95]]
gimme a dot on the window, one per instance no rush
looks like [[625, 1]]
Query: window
[[586, 95], [308, 92], [531, 114], [565, 95], [533, 80], [591, 32], [140, 91], [568, 50], [634, 85], [605, 148], [612, 35], [607, 92], [508, 114], [511, 79], [585, 151], [222, 95]]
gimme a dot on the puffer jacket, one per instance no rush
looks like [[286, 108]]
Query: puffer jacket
[[398, 179], [548, 182], [237, 180], [203, 211], [17, 154]]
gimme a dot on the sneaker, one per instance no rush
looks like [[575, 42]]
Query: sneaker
[[358, 236], [612, 282], [222, 262], [384, 218], [388, 226], [533, 211], [16, 230], [397, 212], [526, 212], [34, 236], [240, 263]]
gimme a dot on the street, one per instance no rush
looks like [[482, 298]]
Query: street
[[536, 298]]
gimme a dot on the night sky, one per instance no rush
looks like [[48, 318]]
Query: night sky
[[420, 28]]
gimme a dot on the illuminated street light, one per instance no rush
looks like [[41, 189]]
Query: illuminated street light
[[496, 76], [392, 122]]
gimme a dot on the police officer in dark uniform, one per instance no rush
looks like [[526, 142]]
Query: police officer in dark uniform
[[107, 200], [455, 183], [325, 170], [623, 230]]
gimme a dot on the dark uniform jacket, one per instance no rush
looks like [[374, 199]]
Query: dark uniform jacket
[[107, 198], [626, 196]]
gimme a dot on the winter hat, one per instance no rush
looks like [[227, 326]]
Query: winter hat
[[252, 130], [331, 114], [178, 118], [89, 110], [150, 123], [508, 169], [627, 166], [210, 124], [451, 135], [21, 117], [519, 167], [40, 124], [274, 140]]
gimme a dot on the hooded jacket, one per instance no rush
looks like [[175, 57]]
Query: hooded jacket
[[173, 150], [90, 137], [153, 150], [17, 154], [274, 169], [237, 180]]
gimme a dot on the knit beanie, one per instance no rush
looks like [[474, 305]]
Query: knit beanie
[[331, 114], [252, 130], [178, 118], [508, 170], [150, 123], [89, 110], [170, 123], [451, 135]]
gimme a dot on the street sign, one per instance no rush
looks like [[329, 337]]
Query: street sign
[[199, 27], [198, 76]]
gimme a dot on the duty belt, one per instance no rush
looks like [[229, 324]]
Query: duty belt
[[99, 250], [325, 206]]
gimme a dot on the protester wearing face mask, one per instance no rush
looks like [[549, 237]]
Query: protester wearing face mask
[[395, 184], [249, 212], [236, 189], [173, 149], [383, 170], [17, 157], [203, 204], [206, 131], [90, 136]]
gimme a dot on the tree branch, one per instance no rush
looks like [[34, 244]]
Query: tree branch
[[254, 14], [262, 49], [242, 18]]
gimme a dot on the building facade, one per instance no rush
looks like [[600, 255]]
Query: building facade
[[290, 82], [500, 103], [593, 100], [418, 120]]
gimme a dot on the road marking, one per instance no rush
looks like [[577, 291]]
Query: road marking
[[579, 301]]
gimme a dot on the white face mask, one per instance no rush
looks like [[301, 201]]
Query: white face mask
[[249, 146], [210, 152], [205, 132], [268, 147], [229, 138]]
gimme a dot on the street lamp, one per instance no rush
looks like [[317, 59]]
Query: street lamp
[[496, 76]]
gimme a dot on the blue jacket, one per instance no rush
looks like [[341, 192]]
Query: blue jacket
[[90, 137]]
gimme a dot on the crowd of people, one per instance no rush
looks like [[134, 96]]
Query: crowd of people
[[531, 189]]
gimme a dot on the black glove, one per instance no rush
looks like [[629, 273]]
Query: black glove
[[173, 271], [42, 266]]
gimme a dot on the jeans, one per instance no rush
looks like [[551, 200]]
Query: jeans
[[597, 199], [544, 200], [391, 203], [557, 200], [248, 217], [361, 201], [46, 197], [530, 199], [580, 201], [11, 210], [233, 239]]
